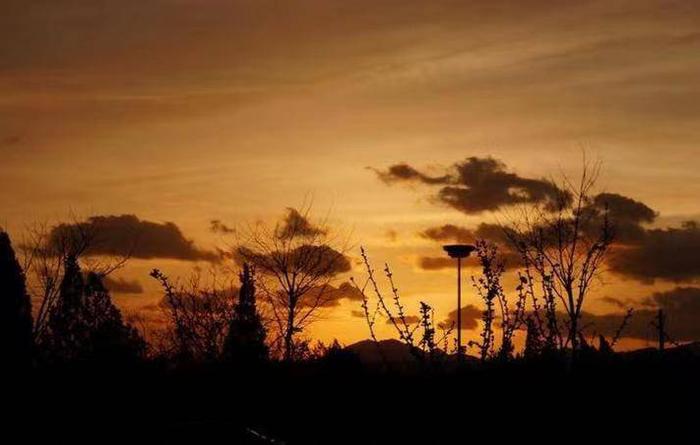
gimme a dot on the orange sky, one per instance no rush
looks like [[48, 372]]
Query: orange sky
[[188, 111]]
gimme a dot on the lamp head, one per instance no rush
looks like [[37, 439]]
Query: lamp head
[[458, 250]]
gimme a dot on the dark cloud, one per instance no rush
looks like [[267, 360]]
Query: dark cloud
[[476, 185], [436, 263], [626, 215], [404, 172], [470, 318], [122, 285], [318, 259], [509, 258], [297, 225], [681, 307], [670, 254], [217, 226], [458, 234], [357, 314], [639, 252], [350, 292], [449, 233], [492, 232], [649, 254], [392, 235], [622, 208], [331, 296], [127, 234]]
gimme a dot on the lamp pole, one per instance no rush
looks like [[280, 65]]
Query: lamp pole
[[459, 306], [459, 251]]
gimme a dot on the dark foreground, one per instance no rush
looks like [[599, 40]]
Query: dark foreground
[[338, 400]]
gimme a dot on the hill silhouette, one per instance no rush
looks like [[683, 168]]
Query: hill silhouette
[[393, 352]]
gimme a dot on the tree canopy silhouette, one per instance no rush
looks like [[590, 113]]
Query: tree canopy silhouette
[[297, 260], [16, 341], [84, 324], [245, 341], [197, 315]]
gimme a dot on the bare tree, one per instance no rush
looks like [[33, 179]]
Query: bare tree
[[296, 260], [197, 314], [488, 287], [565, 244], [45, 251], [406, 326]]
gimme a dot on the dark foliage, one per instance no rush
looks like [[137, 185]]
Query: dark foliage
[[297, 262], [245, 341], [197, 315], [16, 340], [335, 401], [85, 325]]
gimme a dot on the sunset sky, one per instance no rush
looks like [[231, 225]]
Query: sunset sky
[[188, 111]]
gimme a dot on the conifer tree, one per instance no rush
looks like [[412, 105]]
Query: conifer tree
[[245, 342], [66, 329], [109, 338], [16, 341], [85, 324]]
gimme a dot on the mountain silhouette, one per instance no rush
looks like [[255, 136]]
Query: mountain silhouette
[[391, 351]]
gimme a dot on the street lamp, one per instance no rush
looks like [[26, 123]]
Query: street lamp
[[459, 251]]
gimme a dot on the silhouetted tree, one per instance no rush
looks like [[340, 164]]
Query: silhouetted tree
[[110, 338], [66, 331], [16, 341], [542, 323], [245, 341], [425, 349], [46, 250], [533, 339], [660, 325], [296, 261], [198, 317], [84, 324], [489, 288], [565, 243]]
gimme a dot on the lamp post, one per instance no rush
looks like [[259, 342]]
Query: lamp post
[[459, 251]]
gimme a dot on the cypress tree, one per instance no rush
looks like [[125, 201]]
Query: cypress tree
[[16, 339], [245, 342], [66, 328]]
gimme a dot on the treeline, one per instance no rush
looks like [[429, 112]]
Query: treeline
[[240, 356], [286, 277], [77, 322]]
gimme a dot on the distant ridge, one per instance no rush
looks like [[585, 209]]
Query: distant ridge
[[392, 351], [397, 352], [688, 349]]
